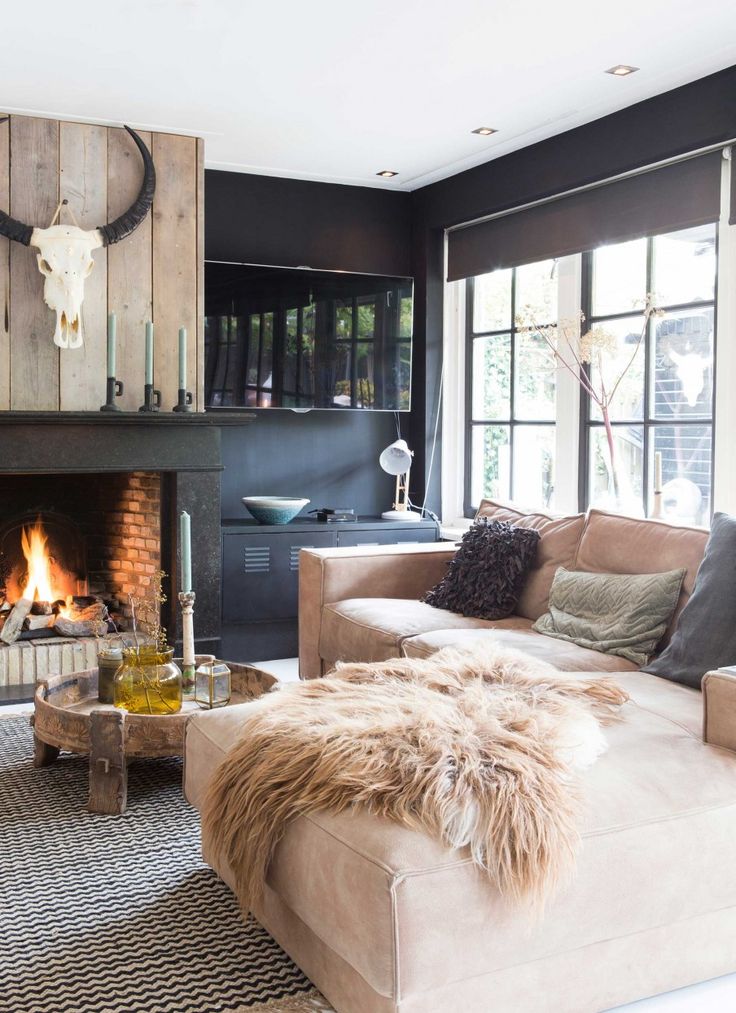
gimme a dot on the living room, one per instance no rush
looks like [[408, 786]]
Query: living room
[[368, 508]]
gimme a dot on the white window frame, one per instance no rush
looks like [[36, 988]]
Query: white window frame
[[569, 271]]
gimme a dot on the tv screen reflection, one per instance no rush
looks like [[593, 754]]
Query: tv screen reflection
[[293, 338]]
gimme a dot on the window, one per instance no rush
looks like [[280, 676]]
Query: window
[[519, 408], [665, 404], [510, 388]]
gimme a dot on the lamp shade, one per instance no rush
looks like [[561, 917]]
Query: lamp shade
[[396, 458]]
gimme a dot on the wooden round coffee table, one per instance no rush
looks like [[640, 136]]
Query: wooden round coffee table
[[68, 715]]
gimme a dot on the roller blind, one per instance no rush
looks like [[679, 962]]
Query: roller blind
[[662, 200]]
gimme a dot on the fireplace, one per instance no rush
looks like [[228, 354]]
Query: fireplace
[[78, 549], [96, 498]]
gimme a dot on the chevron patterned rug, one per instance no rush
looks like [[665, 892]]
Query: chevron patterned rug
[[118, 914]]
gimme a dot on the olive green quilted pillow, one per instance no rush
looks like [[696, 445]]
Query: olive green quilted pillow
[[624, 614]]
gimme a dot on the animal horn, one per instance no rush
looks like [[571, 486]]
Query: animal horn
[[11, 228], [130, 220]]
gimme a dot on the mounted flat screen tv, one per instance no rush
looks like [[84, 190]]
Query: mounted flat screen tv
[[295, 338]]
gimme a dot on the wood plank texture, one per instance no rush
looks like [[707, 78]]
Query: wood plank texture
[[129, 293], [83, 182], [174, 260], [34, 195], [4, 270], [157, 273]]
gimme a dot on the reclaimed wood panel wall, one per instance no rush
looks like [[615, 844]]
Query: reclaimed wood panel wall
[[156, 274]]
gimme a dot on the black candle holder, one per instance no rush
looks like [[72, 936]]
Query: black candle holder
[[151, 399], [184, 404], [114, 389]]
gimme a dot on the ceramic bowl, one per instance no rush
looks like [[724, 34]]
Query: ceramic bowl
[[274, 509]]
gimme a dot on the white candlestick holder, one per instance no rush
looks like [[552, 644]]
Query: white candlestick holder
[[186, 600]]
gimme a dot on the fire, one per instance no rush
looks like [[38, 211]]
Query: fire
[[40, 583]]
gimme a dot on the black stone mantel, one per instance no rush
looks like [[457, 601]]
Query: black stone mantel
[[184, 449]]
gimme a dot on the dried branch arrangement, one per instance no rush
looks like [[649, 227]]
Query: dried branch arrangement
[[585, 356], [146, 615]]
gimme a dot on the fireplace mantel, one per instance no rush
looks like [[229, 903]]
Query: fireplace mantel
[[48, 442]]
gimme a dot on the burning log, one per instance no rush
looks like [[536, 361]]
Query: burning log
[[32, 622], [87, 628], [14, 623], [96, 611], [42, 608]]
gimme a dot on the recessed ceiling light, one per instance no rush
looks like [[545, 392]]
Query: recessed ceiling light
[[484, 131], [621, 70], [387, 173]]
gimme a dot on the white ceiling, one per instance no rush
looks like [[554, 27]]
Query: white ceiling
[[339, 89]]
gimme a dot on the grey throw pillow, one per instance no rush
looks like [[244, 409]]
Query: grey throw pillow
[[624, 614], [705, 637]]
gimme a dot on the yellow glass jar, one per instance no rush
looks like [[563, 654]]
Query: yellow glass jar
[[148, 681]]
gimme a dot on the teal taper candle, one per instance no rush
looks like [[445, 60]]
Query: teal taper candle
[[149, 353], [185, 545], [182, 358], [111, 339]]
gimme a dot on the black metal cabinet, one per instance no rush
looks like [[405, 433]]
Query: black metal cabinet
[[261, 570], [380, 536], [260, 566]]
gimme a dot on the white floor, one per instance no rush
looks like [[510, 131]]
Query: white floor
[[285, 669], [717, 996]]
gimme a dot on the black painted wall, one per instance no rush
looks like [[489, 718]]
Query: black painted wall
[[684, 119], [261, 219], [328, 456]]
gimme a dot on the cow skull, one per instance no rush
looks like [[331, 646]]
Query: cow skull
[[65, 252], [66, 261]]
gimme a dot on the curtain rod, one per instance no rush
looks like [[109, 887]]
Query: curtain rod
[[724, 146]]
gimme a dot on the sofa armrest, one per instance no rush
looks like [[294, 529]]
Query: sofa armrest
[[719, 709], [375, 571]]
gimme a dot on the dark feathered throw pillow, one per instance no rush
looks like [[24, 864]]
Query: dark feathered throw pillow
[[486, 576]]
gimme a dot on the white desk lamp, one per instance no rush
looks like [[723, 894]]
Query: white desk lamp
[[396, 460]]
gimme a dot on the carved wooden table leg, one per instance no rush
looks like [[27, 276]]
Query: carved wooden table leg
[[43, 754], [108, 772]]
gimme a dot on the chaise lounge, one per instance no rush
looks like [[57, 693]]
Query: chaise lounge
[[384, 919]]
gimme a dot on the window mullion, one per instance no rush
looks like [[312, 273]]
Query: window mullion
[[567, 428], [724, 409], [512, 383], [648, 386]]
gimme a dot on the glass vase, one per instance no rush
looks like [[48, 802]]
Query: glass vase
[[148, 681]]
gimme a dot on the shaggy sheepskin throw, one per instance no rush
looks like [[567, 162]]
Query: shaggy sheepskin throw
[[478, 748]]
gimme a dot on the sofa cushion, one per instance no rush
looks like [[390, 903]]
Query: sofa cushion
[[409, 915], [485, 578], [558, 543], [615, 544], [373, 629], [566, 657], [616, 613], [705, 637]]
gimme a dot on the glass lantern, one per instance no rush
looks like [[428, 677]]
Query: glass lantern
[[213, 684]]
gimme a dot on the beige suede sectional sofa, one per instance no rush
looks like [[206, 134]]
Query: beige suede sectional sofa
[[385, 920], [363, 605]]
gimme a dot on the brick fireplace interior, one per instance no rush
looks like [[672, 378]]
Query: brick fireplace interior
[[103, 532]]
